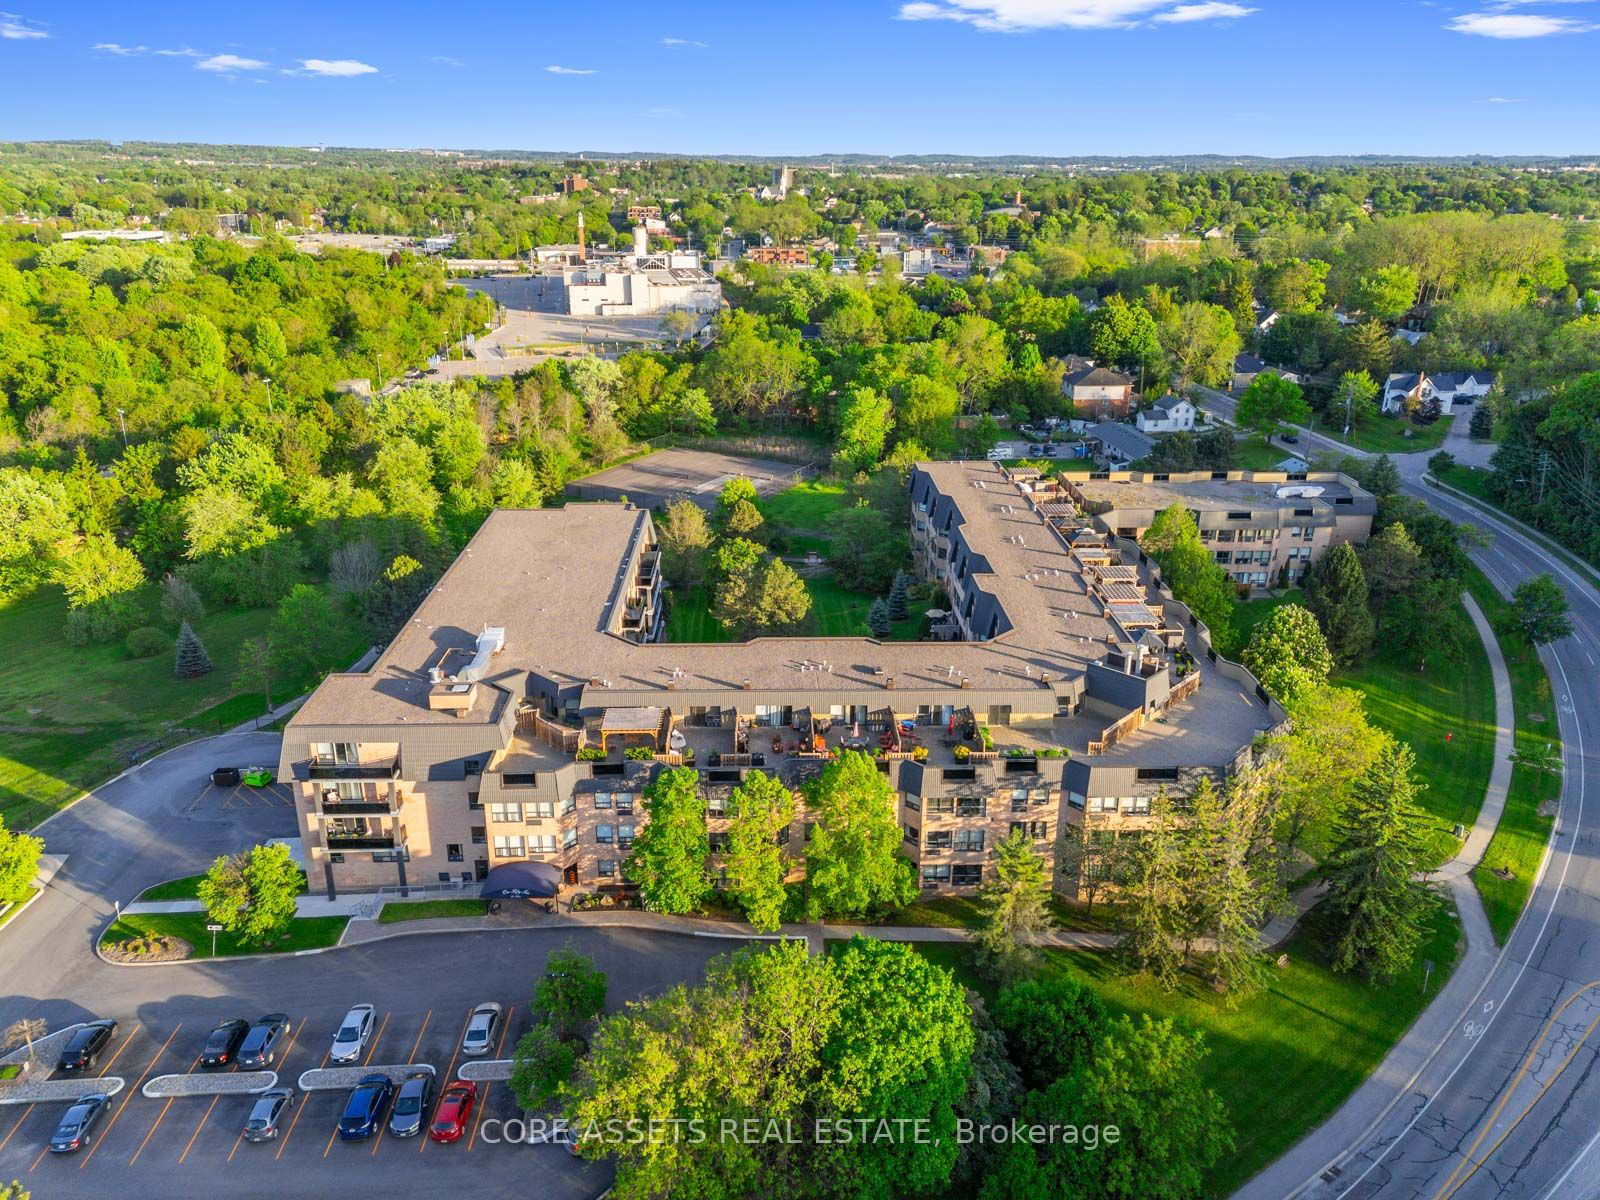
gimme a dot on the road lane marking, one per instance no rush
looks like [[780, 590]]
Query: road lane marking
[[198, 1128], [410, 1058], [483, 1098], [123, 1107], [449, 1072], [126, 1042]]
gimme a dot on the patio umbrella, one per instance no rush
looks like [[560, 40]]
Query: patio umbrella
[[519, 880]]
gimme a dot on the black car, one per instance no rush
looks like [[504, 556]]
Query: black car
[[412, 1104], [85, 1045], [1035, 449], [364, 1111], [73, 1131], [1292, 438], [266, 1118], [223, 1044], [259, 1049], [226, 777]]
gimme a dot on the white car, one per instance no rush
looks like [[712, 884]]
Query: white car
[[481, 1028], [355, 1031]]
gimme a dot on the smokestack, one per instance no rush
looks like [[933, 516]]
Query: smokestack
[[582, 257], [641, 240]]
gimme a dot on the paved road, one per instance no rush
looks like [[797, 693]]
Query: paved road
[[1506, 1107]]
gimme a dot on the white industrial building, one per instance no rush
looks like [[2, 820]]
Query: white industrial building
[[640, 283]]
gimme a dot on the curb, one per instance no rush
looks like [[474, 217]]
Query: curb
[[13, 911], [207, 958], [1543, 541]]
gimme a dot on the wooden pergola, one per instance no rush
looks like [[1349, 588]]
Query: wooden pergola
[[648, 721]]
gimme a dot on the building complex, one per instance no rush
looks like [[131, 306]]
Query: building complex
[[1067, 687]]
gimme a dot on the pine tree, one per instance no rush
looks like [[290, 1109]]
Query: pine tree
[[1336, 593], [1014, 904], [190, 658], [899, 597], [1157, 889], [878, 618], [1372, 889]]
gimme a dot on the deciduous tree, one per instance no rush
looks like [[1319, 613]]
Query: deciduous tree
[[853, 860], [669, 854], [761, 809]]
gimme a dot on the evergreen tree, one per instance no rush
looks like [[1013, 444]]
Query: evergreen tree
[[878, 618], [1336, 593], [1381, 477], [1372, 890], [1157, 891], [900, 597], [190, 658], [1014, 905]]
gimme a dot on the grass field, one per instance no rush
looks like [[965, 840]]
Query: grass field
[[1389, 435], [1472, 480], [69, 715], [432, 910], [807, 505], [304, 933], [1520, 838], [33, 890], [1286, 1058], [836, 612], [188, 888]]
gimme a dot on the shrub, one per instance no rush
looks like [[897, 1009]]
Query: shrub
[[146, 642], [591, 754], [962, 753], [638, 754]]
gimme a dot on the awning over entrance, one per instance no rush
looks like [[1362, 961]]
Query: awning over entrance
[[519, 880]]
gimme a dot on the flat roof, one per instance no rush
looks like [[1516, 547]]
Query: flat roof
[[1198, 490]]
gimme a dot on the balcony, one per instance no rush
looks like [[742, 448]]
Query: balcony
[[372, 802], [362, 841], [327, 769]]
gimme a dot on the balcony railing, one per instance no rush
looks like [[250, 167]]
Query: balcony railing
[[364, 841], [333, 770], [356, 808]]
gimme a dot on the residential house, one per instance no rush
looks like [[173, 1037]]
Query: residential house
[[1115, 445], [1408, 391], [1247, 366], [1098, 392], [1170, 414]]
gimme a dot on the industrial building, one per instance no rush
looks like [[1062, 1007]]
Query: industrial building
[[638, 283]]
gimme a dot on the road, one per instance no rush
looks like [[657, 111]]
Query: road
[[1506, 1107]]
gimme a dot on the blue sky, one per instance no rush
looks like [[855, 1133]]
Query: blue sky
[[773, 77]]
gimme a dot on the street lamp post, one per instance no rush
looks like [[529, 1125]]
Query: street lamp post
[[122, 420]]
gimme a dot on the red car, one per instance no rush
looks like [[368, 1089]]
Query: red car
[[454, 1111]]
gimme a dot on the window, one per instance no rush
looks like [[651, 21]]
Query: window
[[510, 847], [783, 836], [569, 838], [914, 803], [1238, 516], [1041, 795], [606, 868], [538, 810], [569, 804], [972, 806], [542, 843], [602, 799], [911, 834], [1074, 799], [473, 766], [1162, 773], [478, 833], [1037, 830], [1225, 557], [716, 805], [336, 858], [452, 852], [1019, 799], [444, 876], [1102, 804], [966, 874], [604, 835], [969, 839], [350, 793], [343, 754], [935, 873], [505, 813], [1136, 804], [938, 839], [624, 835], [472, 801], [623, 801], [718, 842], [1225, 535]]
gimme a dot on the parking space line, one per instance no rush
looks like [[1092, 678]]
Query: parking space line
[[488, 1084], [294, 1035], [18, 1125], [161, 1116], [449, 1072], [199, 796], [128, 1095], [300, 1105], [126, 1042], [198, 1128], [410, 1058], [40, 1159]]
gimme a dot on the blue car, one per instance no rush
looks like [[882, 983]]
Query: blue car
[[364, 1111]]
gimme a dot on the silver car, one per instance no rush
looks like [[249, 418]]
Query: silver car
[[266, 1118], [481, 1028], [355, 1031]]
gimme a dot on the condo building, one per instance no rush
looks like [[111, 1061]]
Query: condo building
[[523, 709]]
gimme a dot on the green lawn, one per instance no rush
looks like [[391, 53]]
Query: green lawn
[[807, 505], [188, 888], [33, 891], [428, 910], [836, 612], [1250, 613], [1286, 1058], [304, 933], [1472, 480], [1256, 455], [69, 715], [1389, 435], [1520, 838]]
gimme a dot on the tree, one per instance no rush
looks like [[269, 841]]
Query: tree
[[669, 854], [1269, 403], [1335, 588], [1540, 608], [1050, 1025], [685, 538], [1190, 570], [1356, 399], [190, 657], [1013, 905], [743, 520], [761, 808], [1295, 285], [19, 863], [541, 1064], [252, 894], [1481, 427], [1203, 343], [1392, 565], [1288, 654], [354, 567], [34, 521], [1381, 477], [305, 632], [572, 992], [878, 623], [257, 667], [1388, 292], [865, 419], [853, 860], [1158, 894], [1441, 462], [864, 549], [899, 596], [1123, 333], [759, 594], [101, 580], [1373, 895], [179, 600], [1329, 745], [677, 324]]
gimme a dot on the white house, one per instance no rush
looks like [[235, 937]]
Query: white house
[[1170, 414], [1449, 388]]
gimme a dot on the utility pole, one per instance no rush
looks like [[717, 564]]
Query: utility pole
[[122, 421], [1544, 470]]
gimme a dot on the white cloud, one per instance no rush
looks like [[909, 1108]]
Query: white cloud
[[445, 60], [1208, 10], [339, 68], [1503, 99], [227, 63], [186, 52], [120, 51], [570, 70], [677, 41], [1019, 16], [1512, 25], [19, 29]]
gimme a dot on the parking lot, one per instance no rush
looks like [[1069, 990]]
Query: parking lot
[[213, 799], [193, 1145]]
